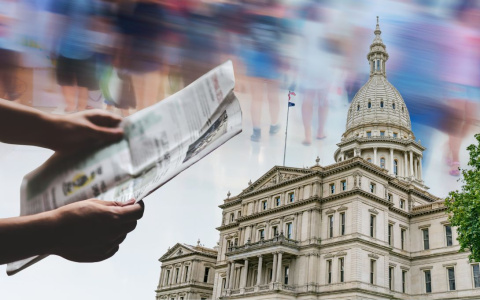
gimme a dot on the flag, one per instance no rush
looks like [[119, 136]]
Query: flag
[[290, 93]]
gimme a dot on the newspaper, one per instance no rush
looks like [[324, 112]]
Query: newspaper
[[159, 142]]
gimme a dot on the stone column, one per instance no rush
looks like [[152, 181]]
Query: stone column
[[259, 274], [411, 163], [274, 267], [232, 275], [343, 156], [243, 280], [279, 267], [227, 279], [391, 161], [375, 156], [420, 175], [405, 163]]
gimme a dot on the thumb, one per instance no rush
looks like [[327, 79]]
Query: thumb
[[108, 134]]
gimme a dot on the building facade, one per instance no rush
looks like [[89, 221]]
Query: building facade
[[187, 273], [365, 227]]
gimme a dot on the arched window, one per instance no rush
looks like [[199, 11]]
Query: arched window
[[395, 167], [232, 216], [381, 104], [369, 104], [369, 160], [378, 65], [382, 162], [358, 107], [393, 105]]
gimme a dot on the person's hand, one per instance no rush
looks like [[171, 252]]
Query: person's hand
[[83, 130], [92, 230]]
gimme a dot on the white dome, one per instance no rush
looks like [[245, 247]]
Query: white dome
[[378, 103]]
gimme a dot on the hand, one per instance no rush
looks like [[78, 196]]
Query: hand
[[83, 130], [92, 230]]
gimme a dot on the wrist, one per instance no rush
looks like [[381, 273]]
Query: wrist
[[51, 235]]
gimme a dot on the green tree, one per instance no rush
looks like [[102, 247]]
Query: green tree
[[464, 205]]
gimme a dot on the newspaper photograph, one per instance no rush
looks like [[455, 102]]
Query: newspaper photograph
[[159, 142]]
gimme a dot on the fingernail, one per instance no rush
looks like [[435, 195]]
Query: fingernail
[[129, 202]]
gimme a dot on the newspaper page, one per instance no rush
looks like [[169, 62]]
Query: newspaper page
[[159, 142]]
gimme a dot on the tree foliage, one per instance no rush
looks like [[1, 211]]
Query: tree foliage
[[464, 205]]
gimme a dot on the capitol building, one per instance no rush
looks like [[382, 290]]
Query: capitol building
[[365, 227]]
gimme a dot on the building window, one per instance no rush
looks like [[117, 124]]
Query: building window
[[270, 274], [372, 187], [402, 204], [239, 214], [358, 107], [341, 265], [382, 162], [291, 197], [448, 235], [342, 223], [289, 231], [372, 271], [428, 281], [235, 242], [264, 205], [261, 234], [393, 105], [330, 226], [181, 298], [390, 278], [372, 225], [369, 160], [390, 197], [332, 188], [369, 104], [369, 134], [382, 133], [426, 242], [476, 275], [395, 134], [451, 278], [378, 65], [205, 275], [390, 234], [329, 271], [404, 281], [403, 233], [287, 270], [186, 274], [167, 278], [275, 231], [277, 201], [381, 104], [344, 185], [177, 271], [232, 217], [395, 167]]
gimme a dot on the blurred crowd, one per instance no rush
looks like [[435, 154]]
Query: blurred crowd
[[125, 55]]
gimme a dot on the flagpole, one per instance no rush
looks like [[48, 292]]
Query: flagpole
[[286, 131]]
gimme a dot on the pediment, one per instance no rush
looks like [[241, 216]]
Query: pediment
[[275, 176], [176, 251]]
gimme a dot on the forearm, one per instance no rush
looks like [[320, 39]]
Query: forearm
[[26, 236], [25, 125]]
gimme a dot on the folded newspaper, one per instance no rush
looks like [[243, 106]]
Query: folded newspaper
[[159, 142]]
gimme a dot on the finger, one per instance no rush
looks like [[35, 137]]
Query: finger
[[107, 134], [131, 212], [103, 118], [119, 240], [128, 227]]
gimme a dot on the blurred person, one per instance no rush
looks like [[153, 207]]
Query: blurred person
[[314, 70], [9, 49], [417, 41], [462, 75], [200, 51], [76, 66], [261, 57], [85, 231], [139, 51]]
